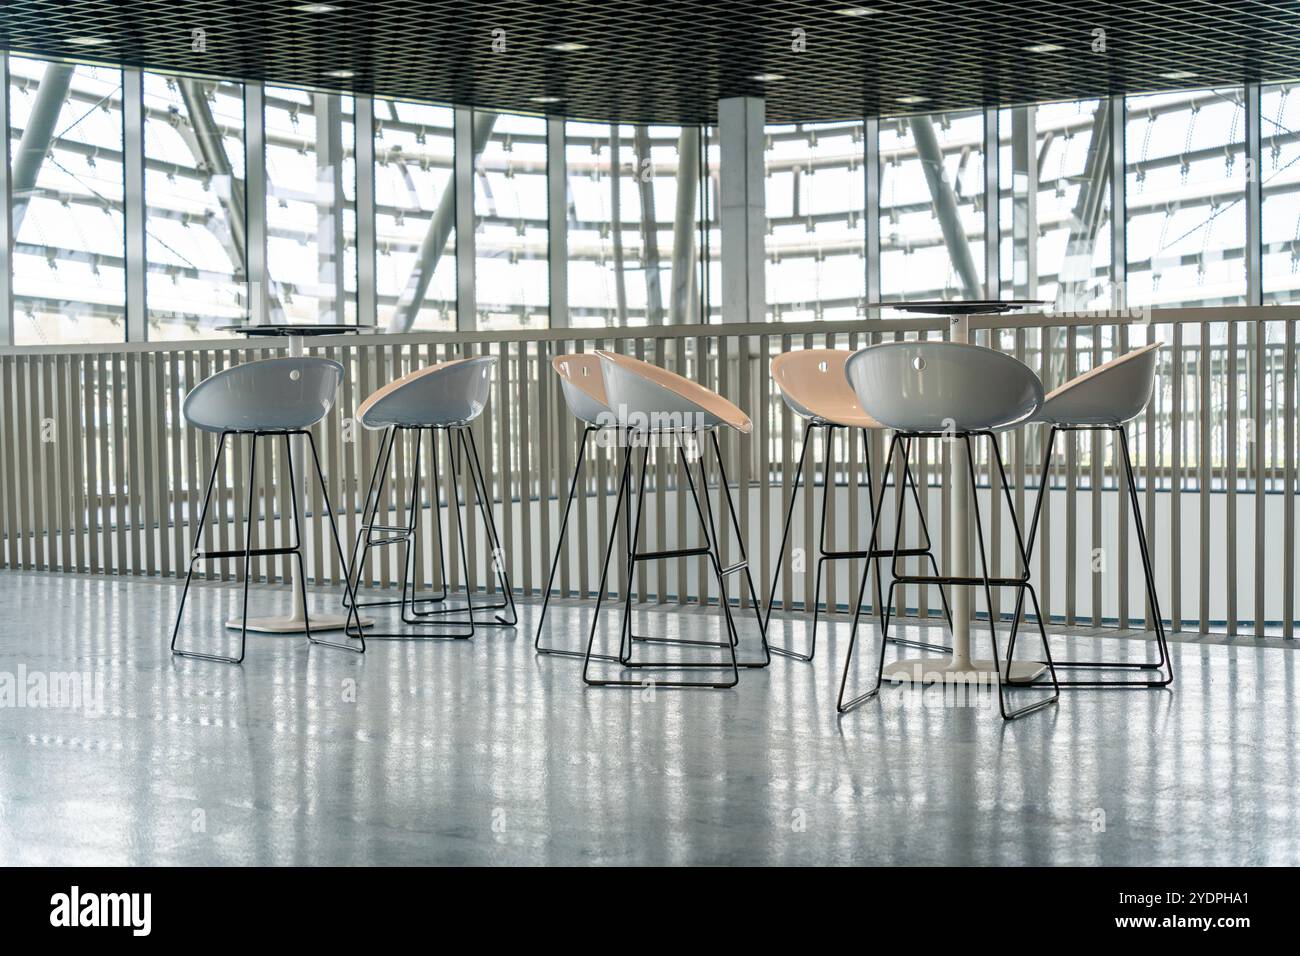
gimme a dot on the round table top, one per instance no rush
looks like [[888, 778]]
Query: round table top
[[958, 306], [293, 328]]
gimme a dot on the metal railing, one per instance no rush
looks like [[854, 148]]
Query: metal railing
[[99, 475]]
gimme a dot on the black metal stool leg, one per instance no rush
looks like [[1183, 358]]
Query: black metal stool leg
[[498, 549], [780, 554], [353, 617], [725, 484], [559, 550]]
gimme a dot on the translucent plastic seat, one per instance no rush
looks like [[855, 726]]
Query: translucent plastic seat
[[271, 395], [645, 397], [813, 384], [437, 396], [447, 397], [1104, 399], [272, 398], [659, 409], [956, 392]]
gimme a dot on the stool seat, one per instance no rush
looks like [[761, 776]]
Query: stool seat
[[1109, 394], [644, 397], [269, 395], [943, 387], [584, 387], [813, 384], [437, 396]]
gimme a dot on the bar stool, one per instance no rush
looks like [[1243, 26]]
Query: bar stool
[[813, 384], [653, 404], [1106, 399], [274, 397], [583, 385], [952, 391], [445, 397]]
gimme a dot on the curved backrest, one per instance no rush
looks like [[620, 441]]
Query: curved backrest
[[645, 397], [943, 386], [813, 384], [1109, 394], [448, 393], [278, 394], [584, 386]]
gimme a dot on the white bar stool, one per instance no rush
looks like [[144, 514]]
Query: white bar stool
[[1106, 398], [951, 391], [653, 404], [445, 397], [813, 384], [583, 385], [265, 399]]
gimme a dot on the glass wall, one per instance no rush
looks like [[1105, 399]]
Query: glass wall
[[511, 242], [1054, 193], [931, 206], [195, 228], [816, 223], [1280, 185], [66, 168], [1185, 192], [415, 216], [310, 207], [627, 188]]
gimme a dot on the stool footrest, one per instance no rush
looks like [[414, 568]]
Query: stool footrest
[[732, 569], [197, 555], [961, 581], [663, 555]]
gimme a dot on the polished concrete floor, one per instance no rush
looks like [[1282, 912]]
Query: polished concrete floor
[[481, 752]]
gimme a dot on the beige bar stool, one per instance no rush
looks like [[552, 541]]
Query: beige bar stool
[[583, 385], [813, 385], [653, 404], [1106, 398], [279, 397], [446, 397]]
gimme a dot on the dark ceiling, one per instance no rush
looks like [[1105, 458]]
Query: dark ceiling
[[670, 61]]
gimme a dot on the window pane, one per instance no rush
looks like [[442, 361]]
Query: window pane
[[415, 216], [1055, 188], [310, 206], [1280, 182], [1186, 188], [625, 184], [816, 231], [194, 192], [65, 144], [512, 287], [932, 171]]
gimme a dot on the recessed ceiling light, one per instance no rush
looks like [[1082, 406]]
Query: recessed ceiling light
[[1177, 75], [1045, 48], [316, 8], [568, 47], [87, 41], [340, 74], [912, 100], [855, 12], [545, 99], [767, 77]]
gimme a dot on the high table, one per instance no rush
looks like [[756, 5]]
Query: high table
[[296, 621], [960, 665]]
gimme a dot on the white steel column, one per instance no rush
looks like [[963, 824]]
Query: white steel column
[[6, 197], [557, 221], [363, 108], [871, 172], [1254, 250], [743, 209], [463, 165], [137, 324], [255, 203]]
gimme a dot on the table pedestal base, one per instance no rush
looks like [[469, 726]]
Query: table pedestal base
[[294, 624], [930, 670]]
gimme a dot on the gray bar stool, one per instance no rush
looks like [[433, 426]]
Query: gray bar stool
[[653, 404], [1106, 398], [445, 397], [813, 384], [583, 385], [274, 397], [951, 391]]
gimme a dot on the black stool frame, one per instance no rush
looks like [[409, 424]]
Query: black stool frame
[[712, 549], [352, 627], [825, 555], [985, 580], [408, 535], [1165, 665]]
